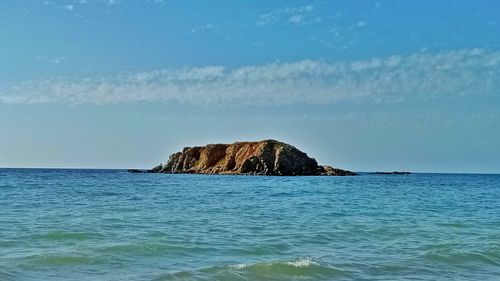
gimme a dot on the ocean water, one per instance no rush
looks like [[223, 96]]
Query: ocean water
[[111, 225]]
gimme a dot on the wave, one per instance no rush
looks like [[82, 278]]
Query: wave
[[302, 262], [299, 269], [44, 260], [456, 258], [150, 249], [64, 235]]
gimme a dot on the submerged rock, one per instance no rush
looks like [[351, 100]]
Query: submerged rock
[[267, 157]]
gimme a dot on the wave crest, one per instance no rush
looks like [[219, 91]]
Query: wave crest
[[298, 269], [301, 262]]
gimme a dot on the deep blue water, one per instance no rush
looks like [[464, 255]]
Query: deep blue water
[[111, 225]]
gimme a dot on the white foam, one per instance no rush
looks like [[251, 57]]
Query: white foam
[[238, 266], [302, 262]]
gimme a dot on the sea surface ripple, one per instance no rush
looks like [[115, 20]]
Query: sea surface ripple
[[58, 224]]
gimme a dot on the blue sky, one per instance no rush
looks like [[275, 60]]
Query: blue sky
[[362, 85]]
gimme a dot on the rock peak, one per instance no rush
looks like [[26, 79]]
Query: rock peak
[[265, 157]]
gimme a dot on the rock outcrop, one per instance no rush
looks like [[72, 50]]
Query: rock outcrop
[[267, 157]]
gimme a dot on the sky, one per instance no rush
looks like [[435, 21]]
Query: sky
[[361, 85]]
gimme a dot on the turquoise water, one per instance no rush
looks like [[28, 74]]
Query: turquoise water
[[110, 225]]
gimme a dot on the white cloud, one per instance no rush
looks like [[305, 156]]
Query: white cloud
[[293, 15], [416, 77], [296, 19]]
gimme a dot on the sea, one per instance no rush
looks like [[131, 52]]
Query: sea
[[63, 224]]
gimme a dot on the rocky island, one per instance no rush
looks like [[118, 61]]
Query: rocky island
[[267, 157]]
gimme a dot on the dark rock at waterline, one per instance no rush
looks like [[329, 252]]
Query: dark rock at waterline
[[136, 171], [330, 171], [267, 157], [392, 173]]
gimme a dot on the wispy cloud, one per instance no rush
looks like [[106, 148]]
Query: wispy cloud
[[108, 2], [361, 23], [71, 6], [208, 27], [292, 15], [114, 2], [417, 77], [53, 60]]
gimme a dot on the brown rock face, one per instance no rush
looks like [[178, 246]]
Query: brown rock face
[[267, 157]]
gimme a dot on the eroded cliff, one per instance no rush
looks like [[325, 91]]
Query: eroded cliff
[[267, 157]]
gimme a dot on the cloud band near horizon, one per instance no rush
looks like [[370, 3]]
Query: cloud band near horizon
[[415, 77]]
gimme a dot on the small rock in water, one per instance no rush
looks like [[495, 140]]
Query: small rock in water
[[392, 173], [135, 171]]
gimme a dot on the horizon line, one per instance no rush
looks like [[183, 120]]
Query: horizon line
[[383, 171]]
